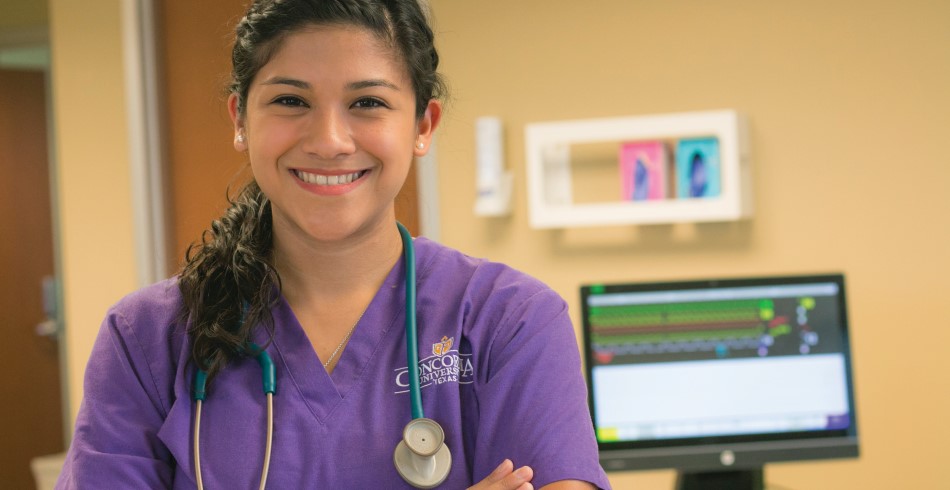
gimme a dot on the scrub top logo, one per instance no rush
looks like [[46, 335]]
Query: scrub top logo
[[443, 347], [445, 365]]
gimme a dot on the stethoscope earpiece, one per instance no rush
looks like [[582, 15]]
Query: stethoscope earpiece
[[421, 457]]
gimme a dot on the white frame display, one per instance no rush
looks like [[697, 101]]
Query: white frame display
[[550, 201]]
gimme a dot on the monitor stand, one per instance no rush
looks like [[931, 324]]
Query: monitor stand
[[749, 479]]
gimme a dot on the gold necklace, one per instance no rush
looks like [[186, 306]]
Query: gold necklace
[[326, 365]]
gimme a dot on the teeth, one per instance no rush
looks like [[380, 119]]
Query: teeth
[[327, 179]]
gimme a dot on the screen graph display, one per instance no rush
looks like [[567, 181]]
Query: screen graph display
[[750, 322], [716, 361]]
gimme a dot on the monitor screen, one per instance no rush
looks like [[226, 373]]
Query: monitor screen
[[718, 375]]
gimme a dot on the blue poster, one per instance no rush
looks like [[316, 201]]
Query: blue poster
[[697, 168]]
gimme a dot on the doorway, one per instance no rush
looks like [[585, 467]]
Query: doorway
[[29, 354]]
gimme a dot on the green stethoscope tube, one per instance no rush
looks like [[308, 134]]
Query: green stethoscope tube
[[412, 340], [269, 382], [269, 377]]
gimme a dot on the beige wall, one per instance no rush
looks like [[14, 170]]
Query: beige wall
[[850, 117], [96, 246]]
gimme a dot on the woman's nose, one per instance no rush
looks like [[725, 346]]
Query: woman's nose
[[328, 135]]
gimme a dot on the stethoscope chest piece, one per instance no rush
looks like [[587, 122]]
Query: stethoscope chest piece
[[422, 458]]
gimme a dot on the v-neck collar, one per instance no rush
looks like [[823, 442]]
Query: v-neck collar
[[299, 368]]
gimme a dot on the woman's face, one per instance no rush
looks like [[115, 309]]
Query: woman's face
[[331, 130]]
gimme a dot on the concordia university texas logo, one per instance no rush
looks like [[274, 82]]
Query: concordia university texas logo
[[443, 347], [445, 365]]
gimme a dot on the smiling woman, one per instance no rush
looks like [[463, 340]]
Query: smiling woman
[[332, 102], [308, 277]]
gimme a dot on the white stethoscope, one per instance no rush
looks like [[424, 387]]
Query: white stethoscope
[[421, 458]]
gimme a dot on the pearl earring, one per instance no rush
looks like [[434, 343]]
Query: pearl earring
[[240, 138], [421, 146]]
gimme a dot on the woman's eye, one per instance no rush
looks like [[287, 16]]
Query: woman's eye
[[369, 103], [289, 101]]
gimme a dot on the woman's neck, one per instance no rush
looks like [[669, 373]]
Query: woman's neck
[[329, 285], [314, 271]]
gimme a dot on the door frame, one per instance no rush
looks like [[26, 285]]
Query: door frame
[[149, 206]]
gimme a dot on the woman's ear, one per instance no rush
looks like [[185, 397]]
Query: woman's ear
[[240, 136], [427, 126]]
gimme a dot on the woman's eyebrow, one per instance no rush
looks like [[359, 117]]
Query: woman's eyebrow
[[362, 84], [293, 82], [376, 82]]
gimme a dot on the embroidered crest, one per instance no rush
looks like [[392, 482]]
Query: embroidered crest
[[442, 347], [445, 365]]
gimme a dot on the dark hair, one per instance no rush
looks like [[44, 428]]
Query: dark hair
[[228, 283], [401, 23]]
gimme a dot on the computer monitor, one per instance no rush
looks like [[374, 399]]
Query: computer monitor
[[716, 378]]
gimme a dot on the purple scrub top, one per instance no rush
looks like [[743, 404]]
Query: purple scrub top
[[500, 371]]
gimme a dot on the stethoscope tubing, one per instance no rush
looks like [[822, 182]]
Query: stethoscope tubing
[[270, 439], [267, 447], [197, 447], [269, 373], [412, 337]]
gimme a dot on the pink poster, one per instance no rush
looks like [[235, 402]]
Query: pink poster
[[643, 170]]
